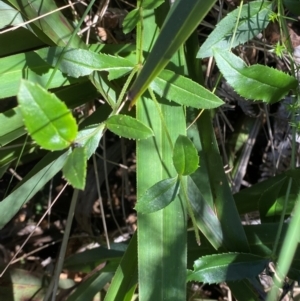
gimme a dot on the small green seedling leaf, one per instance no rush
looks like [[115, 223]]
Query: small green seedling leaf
[[227, 267], [128, 127], [74, 169], [47, 119], [158, 196], [184, 91], [185, 156], [256, 82], [80, 62], [130, 21], [253, 18]]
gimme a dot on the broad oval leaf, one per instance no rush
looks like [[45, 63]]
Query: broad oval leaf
[[252, 19], [185, 156], [130, 21], [158, 196], [184, 91], [255, 82], [227, 267], [47, 119], [128, 127], [80, 62], [74, 169]]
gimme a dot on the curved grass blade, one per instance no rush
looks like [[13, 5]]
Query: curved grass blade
[[43, 172]]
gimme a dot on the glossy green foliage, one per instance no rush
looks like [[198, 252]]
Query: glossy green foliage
[[158, 196], [227, 267], [128, 127], [47, 119], [184, 91], [256, 82], [79, 62], [185, 156], [251, 20], [170, 182]]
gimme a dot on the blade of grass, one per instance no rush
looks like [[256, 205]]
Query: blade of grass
[[161, 235]]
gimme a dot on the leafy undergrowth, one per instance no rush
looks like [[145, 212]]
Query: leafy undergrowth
[[64, 108]]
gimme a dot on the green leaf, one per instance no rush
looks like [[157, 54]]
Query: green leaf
[[74, 169], [185, 156], [184, 91], [9, 16], [130, 21], [206, 219], [80, 62], [253, 18], [90, 137], [268, 196], [125, 280], [128, 127], [227, 267], [183, 18], [43, 172], [255, 82], [158, 196], [47, 119], [28, 66], [151, 4], [89, 259]]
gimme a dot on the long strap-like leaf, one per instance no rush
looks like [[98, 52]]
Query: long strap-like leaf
[[161, 235]]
